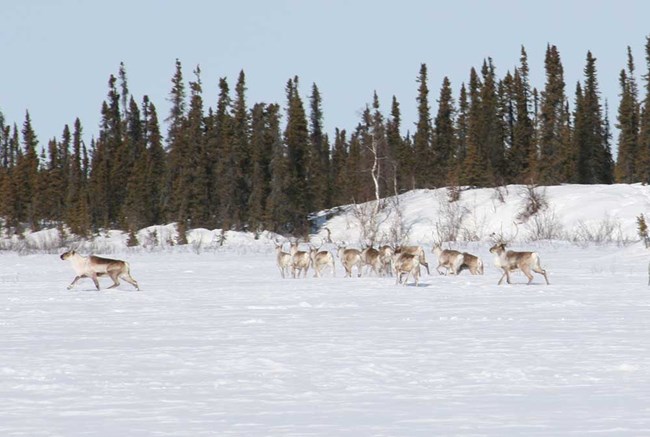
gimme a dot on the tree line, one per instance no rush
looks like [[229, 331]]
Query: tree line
[[242, 167]]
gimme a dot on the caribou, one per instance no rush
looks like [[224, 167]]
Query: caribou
[[452, 260], [456, 261], [321, 259], [406, 263], [417, 251], [94, 266], [350, 258], [300, 261], [509, 260], [372, 259], [386, 255], [472, 263], [283, 259]]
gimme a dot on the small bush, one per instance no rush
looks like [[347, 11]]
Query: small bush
[[643, 230]]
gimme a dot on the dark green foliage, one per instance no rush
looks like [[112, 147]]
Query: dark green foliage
[[444, 143], [296, 137], [422, 139], [257, 167], [643, 164], [594, 161], [628, 124], [554, 146]]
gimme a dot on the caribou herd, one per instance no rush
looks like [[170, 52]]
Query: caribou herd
[[402, 261]]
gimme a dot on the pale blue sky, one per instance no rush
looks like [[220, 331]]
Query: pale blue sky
[[57, 55]]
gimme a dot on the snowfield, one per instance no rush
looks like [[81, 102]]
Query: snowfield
[[218, 344]]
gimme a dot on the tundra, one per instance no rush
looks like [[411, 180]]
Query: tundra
[[509, 260], [94, 266]]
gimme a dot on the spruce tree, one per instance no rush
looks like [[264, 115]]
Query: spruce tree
[[26, 177], [522, 154], [156, 166], [476, 165], [176, 207], [278, 209], [423, 137], [193, 181], [240, 146], [643, 164], [226, 165], [319, 153], [595, 165], [445, 137], [628, 125], [296, 137], [401, 164], [553, 143], [461, 129], [340, 189], [261, 150], [490, 127], [77, 213]]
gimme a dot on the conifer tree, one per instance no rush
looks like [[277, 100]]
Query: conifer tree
[[296, 137], [137, 203], [4, 166], [278, 209], [461, 129], [398, 175], [644, 124], [156, 165], [522, 154], [445, 137], [178, 156], [553, 144], [77, 212], [193, 181], [110, 163], [8, 190], [51, 185], [27, 174], [354, 169], [319, 152], [261, 151], [594, 159], [240, 146], [177, 96], [628, 125], [476, 166], [490, 127], [226, 165], [423, 137], [340, 188]]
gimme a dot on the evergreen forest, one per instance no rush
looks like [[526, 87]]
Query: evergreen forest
[[236, 166]]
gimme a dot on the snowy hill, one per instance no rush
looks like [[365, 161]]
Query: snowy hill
[[580, 213], [576, 213]]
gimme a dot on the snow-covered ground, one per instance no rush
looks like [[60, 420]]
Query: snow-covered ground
[[217, 343]]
